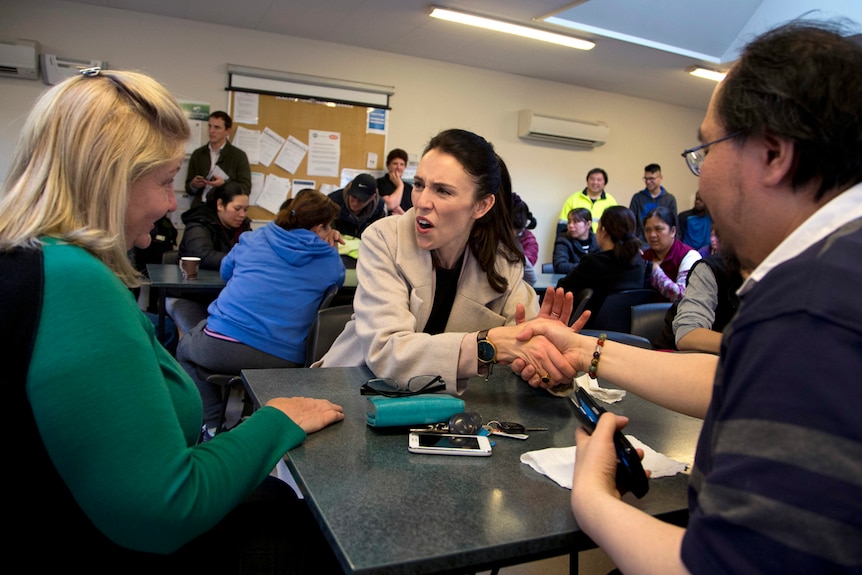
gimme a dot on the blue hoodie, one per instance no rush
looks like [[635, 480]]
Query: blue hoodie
[[275, 282]]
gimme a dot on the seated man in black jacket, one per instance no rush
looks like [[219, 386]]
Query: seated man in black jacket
[[360, 205]]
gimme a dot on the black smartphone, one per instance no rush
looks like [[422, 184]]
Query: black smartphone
[[630, 472]]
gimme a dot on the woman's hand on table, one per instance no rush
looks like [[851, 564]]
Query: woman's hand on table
[[310, 414]]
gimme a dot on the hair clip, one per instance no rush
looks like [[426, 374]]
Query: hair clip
[[90, 72]]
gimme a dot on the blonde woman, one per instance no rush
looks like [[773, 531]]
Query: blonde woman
[[105, 419]]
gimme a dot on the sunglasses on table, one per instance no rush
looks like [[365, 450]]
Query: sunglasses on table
[[417, 385]]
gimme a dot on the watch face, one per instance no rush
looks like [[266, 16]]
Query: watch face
[[486, 352]]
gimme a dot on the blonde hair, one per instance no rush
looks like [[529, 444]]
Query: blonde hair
[[84, 143]]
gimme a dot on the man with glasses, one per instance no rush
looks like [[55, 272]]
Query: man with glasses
[[649, 198], [776, 483]]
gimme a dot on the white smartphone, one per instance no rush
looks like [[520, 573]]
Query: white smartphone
[[449, 444]]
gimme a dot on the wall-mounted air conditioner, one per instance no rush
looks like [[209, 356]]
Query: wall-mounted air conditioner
[[574, 133], [18, 59], [56, 69]]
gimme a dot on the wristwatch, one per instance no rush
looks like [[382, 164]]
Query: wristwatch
[[487, 353]]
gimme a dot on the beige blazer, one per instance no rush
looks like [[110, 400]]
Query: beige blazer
[[393, 301]]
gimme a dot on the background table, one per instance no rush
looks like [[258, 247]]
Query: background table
[[169, 276], [544, 281], [385, 510]]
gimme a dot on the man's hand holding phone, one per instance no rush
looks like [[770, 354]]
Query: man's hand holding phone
[[612, 464], [199, 182]]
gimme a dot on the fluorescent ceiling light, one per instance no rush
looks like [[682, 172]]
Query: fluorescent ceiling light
[[631, 39], [706, 73], [516, 29]]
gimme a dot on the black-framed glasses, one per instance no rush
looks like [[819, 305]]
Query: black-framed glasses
[[416, 385], [694, 156]]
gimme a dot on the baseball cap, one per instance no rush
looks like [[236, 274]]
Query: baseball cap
[[363, 187]]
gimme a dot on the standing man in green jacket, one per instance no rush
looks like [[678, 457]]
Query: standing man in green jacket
[[217, 162]]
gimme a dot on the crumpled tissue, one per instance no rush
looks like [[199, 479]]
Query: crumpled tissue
[[592, 387], [558, 463]]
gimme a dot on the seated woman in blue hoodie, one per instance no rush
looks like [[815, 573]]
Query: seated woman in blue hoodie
[[276, 278]]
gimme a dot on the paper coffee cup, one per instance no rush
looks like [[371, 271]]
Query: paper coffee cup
[[189, 267]]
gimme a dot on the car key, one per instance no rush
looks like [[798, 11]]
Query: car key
[[512, 427]]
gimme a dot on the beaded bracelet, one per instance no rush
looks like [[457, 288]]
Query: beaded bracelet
[[594, 365]]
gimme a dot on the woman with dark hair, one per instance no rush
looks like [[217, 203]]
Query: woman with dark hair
[[523, 220], [276, 278], [576, 241], [212, 229], [671, 258], [436, 284], [617, 267]]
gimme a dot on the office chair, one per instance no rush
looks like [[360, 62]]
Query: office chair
[[615, 313], [229, 381], [226, 383], [328, 296], [171, 257], [648, 319], [325, 328], [581, 299]]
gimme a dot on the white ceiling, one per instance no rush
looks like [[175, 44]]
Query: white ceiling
[[712, 31]]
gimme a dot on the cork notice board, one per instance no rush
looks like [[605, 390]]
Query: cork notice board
[[290, 116]]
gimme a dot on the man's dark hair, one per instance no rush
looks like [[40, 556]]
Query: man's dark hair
[[397, 153], [652, 168], [801, 81], [228, 123], [598, 171]]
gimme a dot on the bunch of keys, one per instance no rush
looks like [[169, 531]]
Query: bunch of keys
[[511, 429], [469, 423]]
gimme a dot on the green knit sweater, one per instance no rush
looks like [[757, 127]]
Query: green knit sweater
[[120, 418]]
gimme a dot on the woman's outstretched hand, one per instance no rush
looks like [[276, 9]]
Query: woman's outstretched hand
[[310, 414]]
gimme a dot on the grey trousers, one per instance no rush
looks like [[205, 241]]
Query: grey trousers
[[202, 355]]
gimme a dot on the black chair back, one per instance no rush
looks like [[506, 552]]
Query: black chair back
[[581, 299], [325, 328], [171, 257], [615, 313], [648, 319], [328, 296], [619, 337]]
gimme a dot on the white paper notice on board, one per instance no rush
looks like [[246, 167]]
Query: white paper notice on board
[[269, 145], [245, 108], [257, 182], [275, 191], [324, 153], [291, 154], [249, 142], [371, 162]]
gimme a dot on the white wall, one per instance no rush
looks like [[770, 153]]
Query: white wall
[[191, 60]]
